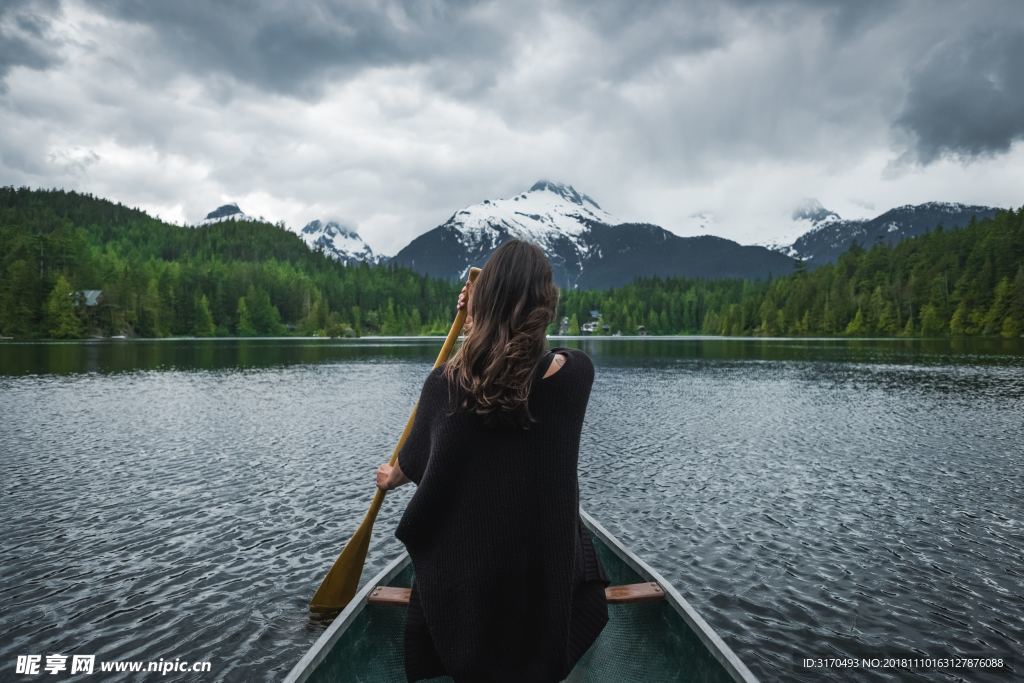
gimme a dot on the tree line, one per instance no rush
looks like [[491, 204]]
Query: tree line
[[230, 278], [959, 282], [250, 278]]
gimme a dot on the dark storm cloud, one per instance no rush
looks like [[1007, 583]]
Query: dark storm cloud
[[294, 47], [843, 18], [961, 91], [394, 113], [966, 98], [23, 40]]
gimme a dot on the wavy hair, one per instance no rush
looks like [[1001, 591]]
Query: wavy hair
[[513, 301]]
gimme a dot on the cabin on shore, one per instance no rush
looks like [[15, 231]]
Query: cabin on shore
[[90, 298], [98, 314]]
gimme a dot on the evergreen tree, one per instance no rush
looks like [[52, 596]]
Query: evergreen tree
[[204, 325], [992, 323], [1012, 327], [244, 327], [856, 326], [932, 324], [62, 317], [960, 322], [263, 315], [19, 293], [149, 315], [1013, 324]]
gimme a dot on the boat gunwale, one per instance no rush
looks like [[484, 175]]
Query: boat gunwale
[[323, 645], [707, 635]]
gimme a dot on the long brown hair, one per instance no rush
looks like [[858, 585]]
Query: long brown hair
[[513, 300]]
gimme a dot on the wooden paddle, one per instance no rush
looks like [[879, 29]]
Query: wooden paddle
[[341, 582]]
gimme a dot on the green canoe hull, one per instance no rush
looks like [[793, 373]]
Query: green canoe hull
[[650, 641]]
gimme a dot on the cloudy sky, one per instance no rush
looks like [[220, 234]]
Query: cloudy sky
[[389, 116]]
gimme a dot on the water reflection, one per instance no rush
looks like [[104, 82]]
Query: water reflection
[[108, 356]]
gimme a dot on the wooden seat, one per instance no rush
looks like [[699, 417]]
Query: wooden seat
[[615, 595]]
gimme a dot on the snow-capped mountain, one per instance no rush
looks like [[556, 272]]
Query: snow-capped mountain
[[588, 247], [227, 212], [809, 215], [337, 241], [824, 236], [553, 216]]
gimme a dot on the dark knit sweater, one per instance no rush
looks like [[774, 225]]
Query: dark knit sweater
[[508, 586]]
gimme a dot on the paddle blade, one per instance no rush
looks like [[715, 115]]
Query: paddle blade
[[342, 581]]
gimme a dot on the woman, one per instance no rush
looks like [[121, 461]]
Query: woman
[[508, 587]]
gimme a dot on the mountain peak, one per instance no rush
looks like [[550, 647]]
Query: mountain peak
[[337, 241], [223, 211], [330, 228], [562, 190], [810, 209], [831, 236], [227, 212]]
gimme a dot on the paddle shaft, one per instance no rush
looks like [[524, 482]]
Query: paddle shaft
[[341, 581], [442, 356]]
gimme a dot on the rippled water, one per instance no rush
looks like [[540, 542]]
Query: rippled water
[[809, 497]]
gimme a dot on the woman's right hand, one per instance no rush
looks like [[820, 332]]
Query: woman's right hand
[[464, 296], [464, 304]]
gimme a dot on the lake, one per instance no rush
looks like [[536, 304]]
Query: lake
[[810, 497]]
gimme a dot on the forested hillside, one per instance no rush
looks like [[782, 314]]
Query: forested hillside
[[248, 278], [963, 282], [156, 279]]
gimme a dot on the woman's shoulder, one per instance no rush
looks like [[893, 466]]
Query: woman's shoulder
[[436, 383], [576, 363]]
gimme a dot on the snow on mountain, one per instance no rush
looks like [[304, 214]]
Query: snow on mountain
[[227, 212], [586, 245], [820, 236], [808, 216], [554, 216], [337, 241], [812, 211], [547, 214]]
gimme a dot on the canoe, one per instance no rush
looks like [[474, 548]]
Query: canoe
[[652, 635]]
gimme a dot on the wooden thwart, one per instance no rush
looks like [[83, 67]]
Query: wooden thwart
[[389, 595], [615, 595], [634, 592]]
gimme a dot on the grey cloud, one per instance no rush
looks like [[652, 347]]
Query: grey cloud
[[842, 17], [23, 39], [966, 99], [189, 103], [295, 48], [467, 48], [74, 161]]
